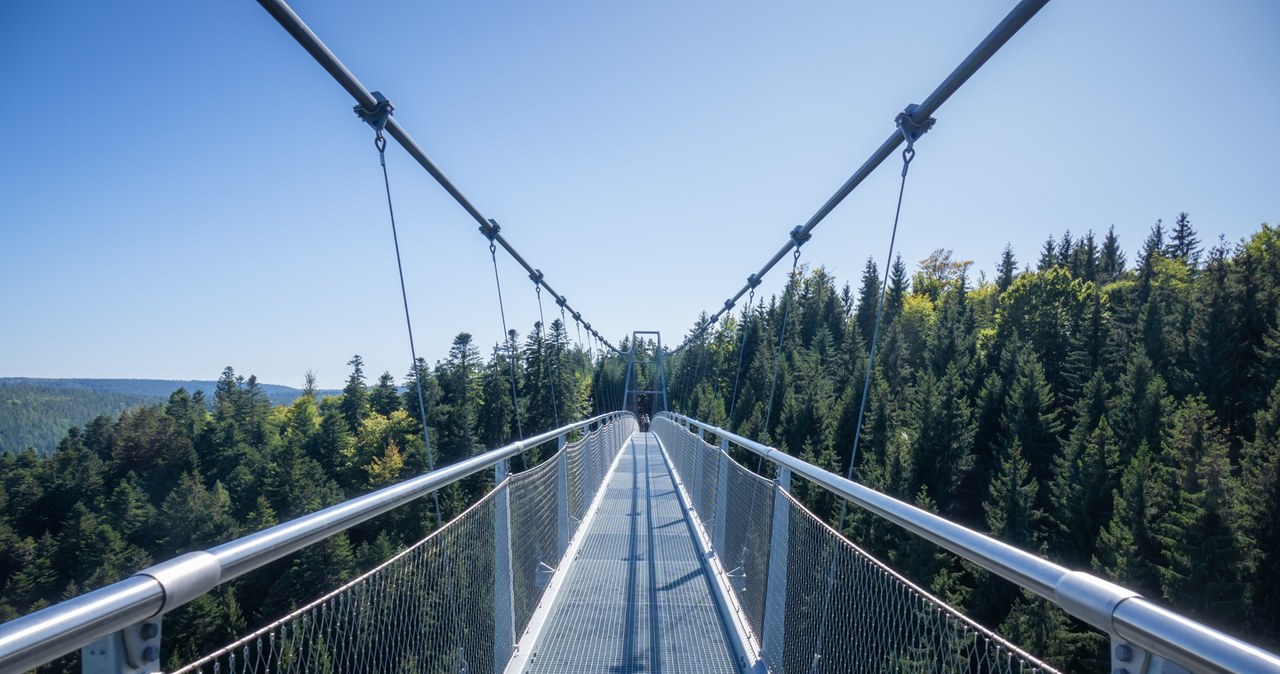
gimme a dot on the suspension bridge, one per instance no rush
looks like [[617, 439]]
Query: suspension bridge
[[631, 548]]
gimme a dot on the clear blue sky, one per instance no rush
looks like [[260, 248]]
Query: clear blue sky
[[184, 188]]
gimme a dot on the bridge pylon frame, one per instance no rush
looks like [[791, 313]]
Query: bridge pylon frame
[[631, 395]]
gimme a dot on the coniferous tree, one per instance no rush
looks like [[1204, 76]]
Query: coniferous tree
[[1031, 423], [384, 399], [1065, 247], [942, 450], [1111, 265], [355, 395], [496, 420], [1183, 243], [1260, 488], [896, 294], [1048, 255], [1128, 551], [1207, 559], [1006, 269]]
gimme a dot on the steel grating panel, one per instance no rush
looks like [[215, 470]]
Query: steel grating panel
[[636, 598]]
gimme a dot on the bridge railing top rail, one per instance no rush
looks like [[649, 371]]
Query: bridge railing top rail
[[1118, 611], [49, 633]]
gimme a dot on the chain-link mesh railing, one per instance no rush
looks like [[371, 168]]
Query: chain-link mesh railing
[[431, 607], [844, 611], [428, 609]]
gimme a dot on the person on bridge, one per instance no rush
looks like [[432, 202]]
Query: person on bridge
[[644, 423]]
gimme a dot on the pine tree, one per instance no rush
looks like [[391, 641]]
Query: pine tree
[[896, 294], [1260, 478], [1137, 411], [943, 437], [1084, 258], [1183, 244], [459, 381], [496, 419], [1007, 269], [1207, 559], [1012, 515], [1111, 266], [1065, 248], [355, 395], [1128, 551], [1031, 423], [384, 399], [1048, 256]]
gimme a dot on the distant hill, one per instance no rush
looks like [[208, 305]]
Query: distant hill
[[37, 413]]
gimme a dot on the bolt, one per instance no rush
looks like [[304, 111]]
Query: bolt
[[1124, 652], [150, 630], [151, 654]]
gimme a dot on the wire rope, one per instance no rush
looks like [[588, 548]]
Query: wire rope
[[793, 284], [742, 347], [907, 155], [507, 337], [545, 353], [380, 142]]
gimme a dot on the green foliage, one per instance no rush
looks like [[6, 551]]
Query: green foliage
[[1122, 418], [1107, 416], [182, 474]]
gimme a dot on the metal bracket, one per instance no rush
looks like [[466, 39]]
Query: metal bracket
[[378, 116], [491, 230], [798, 237], [536, 276], [911, 131], [1129, 659], [753, 281], [132, 650]]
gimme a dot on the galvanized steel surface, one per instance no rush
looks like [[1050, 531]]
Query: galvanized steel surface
[[636, 598]]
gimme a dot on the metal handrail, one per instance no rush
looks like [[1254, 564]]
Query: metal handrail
[[38, 638], [1109, 607]]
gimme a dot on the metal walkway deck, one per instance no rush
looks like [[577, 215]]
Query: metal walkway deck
[[636, 598]]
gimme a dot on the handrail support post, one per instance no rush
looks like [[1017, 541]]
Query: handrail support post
[[562, 498], [775, 603], [504, 629], [722, 498]]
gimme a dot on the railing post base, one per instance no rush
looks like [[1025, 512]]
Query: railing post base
[[132, 650]]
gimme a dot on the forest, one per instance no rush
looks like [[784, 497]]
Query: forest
[[119, 494], [1117, 416]]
